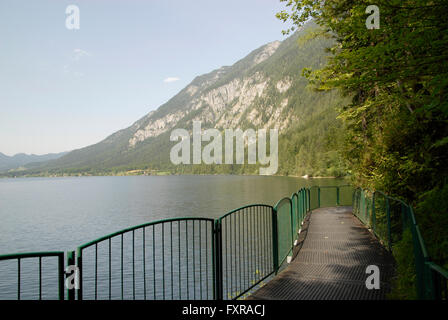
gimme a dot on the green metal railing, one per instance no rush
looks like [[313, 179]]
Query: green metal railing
[[30, 281], [389, 219], [225, 258], [246, 249], [285, 230], [166, 259]]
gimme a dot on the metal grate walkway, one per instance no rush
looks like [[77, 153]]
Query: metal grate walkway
[[335, 250]]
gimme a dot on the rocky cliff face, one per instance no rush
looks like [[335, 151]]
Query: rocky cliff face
[[223, 106]]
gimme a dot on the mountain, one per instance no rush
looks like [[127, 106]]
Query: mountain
[[22, 159], [263, 90]]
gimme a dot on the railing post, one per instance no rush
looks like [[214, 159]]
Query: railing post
[[309, 200], [79, 265], [303, 209], [318, 197], [389, 237], [274, 241], [337, 196], [291, 212], [373, 213], [61, 276], [364, 198], [218, 260], [71, 262]]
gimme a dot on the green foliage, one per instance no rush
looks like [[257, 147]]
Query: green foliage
[[310, 148], [404, 286], [431, 211], [396, 124]]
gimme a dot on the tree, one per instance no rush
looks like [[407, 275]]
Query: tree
[[397, 79]]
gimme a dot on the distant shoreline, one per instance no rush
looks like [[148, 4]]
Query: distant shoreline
[[164, 173]]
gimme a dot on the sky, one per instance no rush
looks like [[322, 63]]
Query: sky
[[63, 89]]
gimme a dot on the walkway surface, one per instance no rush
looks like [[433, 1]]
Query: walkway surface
[[335, 250]]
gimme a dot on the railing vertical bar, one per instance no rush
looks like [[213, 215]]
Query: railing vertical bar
[[227, 254], [256, 246], [389, 236], [243, 247], [144, 262], [248, 249], [61, 275], [122, 278], [292, 223], [206, 258], [200, 259], [265, 242], [71, 262], [234, 254], [240, 271], [262, 246], [373, 213], [79, 265], [154, 261], [318, 197], [163, 261], [194, 263], [18, 279], [219, 259], [214, 256], [258, 243], [133, 265], [263, 239], [96, 271], [40, 278], [243, 268], [337, 196], [260, 240], [178, 241], [171, 255], [110, 269], [186, 249], [274, 241], [251, 243]]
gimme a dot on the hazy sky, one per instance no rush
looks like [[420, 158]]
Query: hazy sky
[[64, 89]]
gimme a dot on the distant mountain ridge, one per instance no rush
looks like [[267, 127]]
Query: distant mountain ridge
[[22, 159], [265, 89]]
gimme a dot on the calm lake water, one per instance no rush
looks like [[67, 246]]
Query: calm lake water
[[42, 214], [46, 214]]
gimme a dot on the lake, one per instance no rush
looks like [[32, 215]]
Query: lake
[[46, 214], [42, 214]]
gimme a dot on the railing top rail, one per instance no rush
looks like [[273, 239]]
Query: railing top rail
[[324, 187], [438, 269], [389, 197], [412, 216], [31, 255], [244, 207], [117, 233], [281, 201], [422, 243]]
